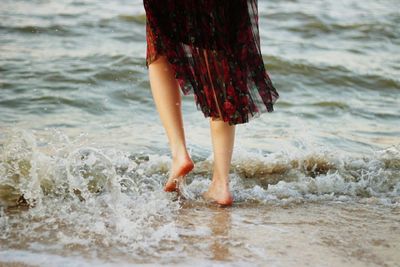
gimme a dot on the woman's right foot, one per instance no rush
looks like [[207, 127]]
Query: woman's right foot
[[219, 193], [180, 167]]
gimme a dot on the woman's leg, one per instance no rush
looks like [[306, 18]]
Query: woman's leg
[[166, 95], [223, 138]]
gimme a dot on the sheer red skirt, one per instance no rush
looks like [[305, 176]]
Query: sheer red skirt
[[213, 47]]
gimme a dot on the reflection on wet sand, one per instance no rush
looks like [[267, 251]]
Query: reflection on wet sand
[[220, 226]]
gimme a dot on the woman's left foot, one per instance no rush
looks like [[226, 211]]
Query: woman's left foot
[[180, 167], [219, 193]]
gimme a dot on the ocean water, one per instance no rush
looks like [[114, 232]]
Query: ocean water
[[83, 155]]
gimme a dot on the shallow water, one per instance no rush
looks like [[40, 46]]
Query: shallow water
[[316, 182]]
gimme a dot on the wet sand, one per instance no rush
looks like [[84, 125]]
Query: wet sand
[[307, 234], [300, 234]]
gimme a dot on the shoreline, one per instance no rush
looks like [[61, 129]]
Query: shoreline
[[306, 234]]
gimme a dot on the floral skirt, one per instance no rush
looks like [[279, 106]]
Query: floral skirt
[[213, 47]]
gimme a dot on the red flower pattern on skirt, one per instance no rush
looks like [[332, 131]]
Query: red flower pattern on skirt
[[230, 90], [214, 48], [229, 108]]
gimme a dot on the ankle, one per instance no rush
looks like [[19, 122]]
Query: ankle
[[220, 183], [179, 153]]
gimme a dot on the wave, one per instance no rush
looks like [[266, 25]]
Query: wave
[[140, 18], [358, 28], [356, 31], [32, 173], [54, 29], [50, 104], [331, 104], [331, 75]]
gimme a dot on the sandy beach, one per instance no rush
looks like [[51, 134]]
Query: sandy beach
[[84, 155], [298, 234]]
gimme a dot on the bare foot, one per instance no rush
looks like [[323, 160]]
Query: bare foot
[[219, 193], [180, 167]]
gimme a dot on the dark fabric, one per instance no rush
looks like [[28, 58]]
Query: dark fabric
[[214, 49]]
